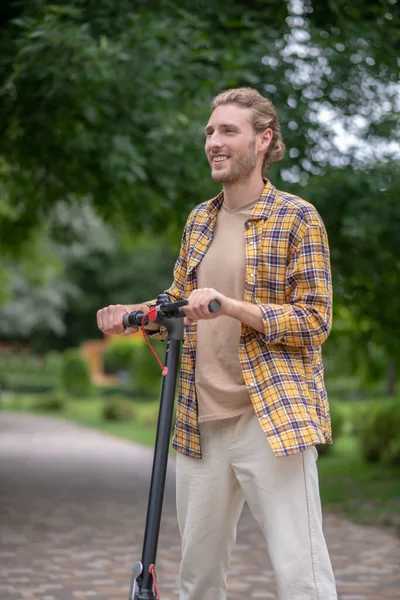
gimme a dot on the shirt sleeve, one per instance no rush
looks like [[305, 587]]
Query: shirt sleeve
[[306, 319]]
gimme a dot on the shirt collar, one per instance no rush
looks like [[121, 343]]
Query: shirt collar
[[262, 209]]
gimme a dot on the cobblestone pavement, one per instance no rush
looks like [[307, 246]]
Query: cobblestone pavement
[[72, 513]]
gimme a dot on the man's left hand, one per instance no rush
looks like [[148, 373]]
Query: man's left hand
[[198, 302]]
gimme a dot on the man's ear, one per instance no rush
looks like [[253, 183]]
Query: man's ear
[[265, 139]]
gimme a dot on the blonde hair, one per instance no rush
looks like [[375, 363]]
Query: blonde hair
[[264, 117]]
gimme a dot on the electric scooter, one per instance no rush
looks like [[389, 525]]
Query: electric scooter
[[170, 315]]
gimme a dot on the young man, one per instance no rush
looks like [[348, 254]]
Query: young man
[[252, 402]]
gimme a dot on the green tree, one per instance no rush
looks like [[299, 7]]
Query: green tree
[[362, 215], [109, 100], [83, 265], [39, 286], [105, 102]]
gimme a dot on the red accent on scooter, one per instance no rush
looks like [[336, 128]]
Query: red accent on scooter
[[151, 315], [152, 571]]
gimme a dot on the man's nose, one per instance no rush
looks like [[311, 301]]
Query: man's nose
[[214, 141]]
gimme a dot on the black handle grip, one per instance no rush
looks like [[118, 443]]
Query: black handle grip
[[214, 306], [133, 319]]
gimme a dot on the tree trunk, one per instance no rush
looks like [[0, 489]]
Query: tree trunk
[[391, 378]]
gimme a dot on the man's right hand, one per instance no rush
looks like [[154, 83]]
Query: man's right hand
[[109, 319]]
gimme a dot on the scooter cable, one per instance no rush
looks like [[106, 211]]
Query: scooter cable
[[151, 316], [152, 571]]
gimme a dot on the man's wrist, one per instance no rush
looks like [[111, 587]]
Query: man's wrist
[[248, 313], [231, 308]]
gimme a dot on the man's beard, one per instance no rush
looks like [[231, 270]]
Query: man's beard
[[241, 169]]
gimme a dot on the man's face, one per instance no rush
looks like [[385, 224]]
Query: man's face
[[231, 144]]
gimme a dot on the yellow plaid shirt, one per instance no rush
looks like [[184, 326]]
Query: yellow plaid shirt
[[288, 276]]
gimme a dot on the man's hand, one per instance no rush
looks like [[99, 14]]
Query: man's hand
[[197, 307], [246, 312], [109, 319]]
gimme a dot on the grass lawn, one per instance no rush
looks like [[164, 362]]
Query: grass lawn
[[134, 431], [142, 430], [367, 493], [89, 412]]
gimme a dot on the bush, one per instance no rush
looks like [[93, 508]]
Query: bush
[[3, 383], [54, 402], [337, 421], [76, 379], [53, 362], [146, 372], [125, 392], [378, 430], [118, 410], [118, 356], [23, 383], [132, 355]]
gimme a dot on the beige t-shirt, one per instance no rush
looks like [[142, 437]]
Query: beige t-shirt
[[221, 391]]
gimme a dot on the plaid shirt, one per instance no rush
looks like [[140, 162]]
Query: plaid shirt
[[288, 276]]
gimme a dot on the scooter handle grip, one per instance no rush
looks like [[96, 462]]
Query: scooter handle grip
[[133, 319], [214, 306]]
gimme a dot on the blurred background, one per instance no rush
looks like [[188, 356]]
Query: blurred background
[[103, 105]]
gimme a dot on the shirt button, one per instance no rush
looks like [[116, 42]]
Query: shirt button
[[251, 274]]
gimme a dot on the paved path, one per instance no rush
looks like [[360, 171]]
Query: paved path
[[72, 509]]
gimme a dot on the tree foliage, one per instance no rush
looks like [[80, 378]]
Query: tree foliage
[[109, 100], [104, 103], [362, 215], [79, 265]]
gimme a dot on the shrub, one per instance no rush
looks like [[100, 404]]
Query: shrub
[[118, 356], [3, 383], [118, 410], [55, 402], [53, 362], [125, 392], [76, 379], [31, 364], [378, 430], [28, 383], [146, 372], [337, 422], [132, 355]]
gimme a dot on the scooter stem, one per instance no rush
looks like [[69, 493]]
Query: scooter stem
[[142, 587]]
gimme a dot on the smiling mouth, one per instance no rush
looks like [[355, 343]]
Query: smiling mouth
[[217, 160]]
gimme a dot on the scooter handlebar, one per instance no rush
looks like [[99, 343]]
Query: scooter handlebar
[[134, 319]]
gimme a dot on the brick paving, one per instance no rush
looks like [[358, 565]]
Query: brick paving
[[72, 512]]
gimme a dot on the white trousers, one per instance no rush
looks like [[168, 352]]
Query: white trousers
[[283, 496]]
